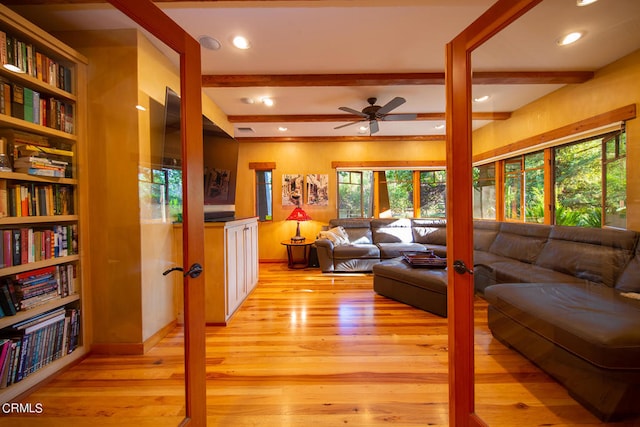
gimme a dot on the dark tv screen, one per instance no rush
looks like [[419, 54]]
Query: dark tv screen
[[220, 160]]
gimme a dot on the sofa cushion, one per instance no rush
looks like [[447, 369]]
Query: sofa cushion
[[520, 241], [358, 229], [356, 251], [389, 230], [591, 321], [394, 250], [512, 271], [629, 280], [593, 254], [429, 231], [484, 233], [337, 235]]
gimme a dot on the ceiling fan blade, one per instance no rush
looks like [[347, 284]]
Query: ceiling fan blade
[[394, 103], [348, 124], [352, 111], [400, 117], [373, 126]]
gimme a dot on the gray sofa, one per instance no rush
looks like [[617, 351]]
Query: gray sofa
[[373, 240], [564, 297]]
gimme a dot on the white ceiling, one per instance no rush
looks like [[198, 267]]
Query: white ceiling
[[362, 37]]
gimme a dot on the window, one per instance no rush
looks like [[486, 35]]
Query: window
[[264, 195], [615, 176], [160, 193], [399, 186], [401, 193], [524, 188], [355, 195], [590, 182], [484, 191], [433, 190]]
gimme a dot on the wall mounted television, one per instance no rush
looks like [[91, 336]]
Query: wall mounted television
[[220, 160]]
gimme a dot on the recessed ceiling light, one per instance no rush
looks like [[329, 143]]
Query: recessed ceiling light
[[363, 128], [481, 98], [241, 42], [438, 127], [267, 101], [282, 129], [569, 38], [209, 42], [585, 2], [247, 100], [141, 108]]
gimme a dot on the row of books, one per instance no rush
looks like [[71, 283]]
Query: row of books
[[24, 57], [30, 345], [32, 199], [26, 245], [40, 166], [26, 104], [30, 289]]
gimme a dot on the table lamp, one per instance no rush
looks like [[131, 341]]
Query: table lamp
[[298, 215]]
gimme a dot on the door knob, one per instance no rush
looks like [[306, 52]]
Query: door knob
[[194, 271]]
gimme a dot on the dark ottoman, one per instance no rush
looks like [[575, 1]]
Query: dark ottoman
[[424, 288]]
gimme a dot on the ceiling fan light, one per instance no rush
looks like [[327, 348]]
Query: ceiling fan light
[[570, 38], [585, 2], [267, 101], [482, 98]]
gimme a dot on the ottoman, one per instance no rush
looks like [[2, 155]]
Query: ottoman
[[424, 288]]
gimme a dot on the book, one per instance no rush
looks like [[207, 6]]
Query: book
[[17, 101], [56, 173], [4, 207]]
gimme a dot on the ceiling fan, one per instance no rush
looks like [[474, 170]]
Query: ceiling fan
[[372, 113]]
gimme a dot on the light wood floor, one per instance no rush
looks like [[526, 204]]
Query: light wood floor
[[309, 349]]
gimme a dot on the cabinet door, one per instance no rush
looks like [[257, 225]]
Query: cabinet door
[[251, 252], [236, 289]]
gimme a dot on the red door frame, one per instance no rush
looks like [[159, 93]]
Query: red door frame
[[154, 20], [460, 206]]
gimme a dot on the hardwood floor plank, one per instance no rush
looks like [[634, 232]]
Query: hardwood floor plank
[[310, 349]]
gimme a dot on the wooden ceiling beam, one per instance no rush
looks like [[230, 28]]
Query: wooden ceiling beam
[[316, 118], [391, 79], [315, 139]]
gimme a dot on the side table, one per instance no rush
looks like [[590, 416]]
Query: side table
[[303, 247]]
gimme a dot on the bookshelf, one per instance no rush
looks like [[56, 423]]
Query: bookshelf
[[44, 260]]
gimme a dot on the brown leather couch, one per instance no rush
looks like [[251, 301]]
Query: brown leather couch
[[564, 297], [373, 240]]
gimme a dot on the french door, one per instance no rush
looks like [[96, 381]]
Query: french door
[[151, 18]]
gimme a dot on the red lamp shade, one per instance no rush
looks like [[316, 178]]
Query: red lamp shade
[[298, 215]]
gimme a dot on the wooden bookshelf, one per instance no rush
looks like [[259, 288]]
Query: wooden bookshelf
[[22, 30]]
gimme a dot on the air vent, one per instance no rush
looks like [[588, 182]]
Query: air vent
[[245, 129]]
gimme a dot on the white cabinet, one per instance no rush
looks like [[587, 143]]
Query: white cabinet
[[230, 266], [241, 262]]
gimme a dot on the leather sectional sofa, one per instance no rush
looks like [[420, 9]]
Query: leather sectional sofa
[[373, 240], [564, 297]]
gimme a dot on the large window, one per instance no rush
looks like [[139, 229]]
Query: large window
[[396, 193], [484, 191], [590, 182], [399, 187], [524, 188], [355, 190], [433, 191], [160, 192], [264, 195], [615, 176]]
